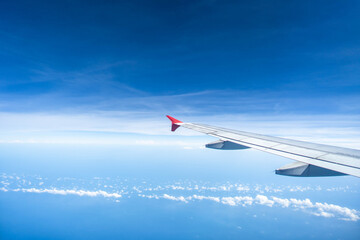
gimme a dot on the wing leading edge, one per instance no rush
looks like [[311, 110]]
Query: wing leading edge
[[312, 159]]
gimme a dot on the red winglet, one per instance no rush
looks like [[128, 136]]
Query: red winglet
[[174, 122]]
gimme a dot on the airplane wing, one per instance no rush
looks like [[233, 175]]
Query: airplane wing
[[311, 159]]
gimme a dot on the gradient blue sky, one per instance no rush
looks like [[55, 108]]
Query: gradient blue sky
[[105, 65], [85, 87]]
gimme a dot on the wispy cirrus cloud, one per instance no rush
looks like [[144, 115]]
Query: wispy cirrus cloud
[[97, 88]]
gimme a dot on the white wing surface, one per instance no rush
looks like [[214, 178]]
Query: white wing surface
[[312, 159]]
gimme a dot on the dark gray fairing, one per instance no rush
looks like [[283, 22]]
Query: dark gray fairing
[[299, 169], [225, 145]]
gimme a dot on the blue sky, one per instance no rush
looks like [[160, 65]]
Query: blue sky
[[85, 87], [264, 56]]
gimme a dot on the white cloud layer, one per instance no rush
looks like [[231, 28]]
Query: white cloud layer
[[186, 192]]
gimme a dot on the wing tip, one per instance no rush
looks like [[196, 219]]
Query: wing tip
[[174, 122]]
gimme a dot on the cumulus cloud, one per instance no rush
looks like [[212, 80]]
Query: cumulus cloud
[[348, 214], [181, 198], [197, 197], [148, 196], [243, 188], [323, 214], [263, 200], [281, 201], [306, 203], [319, 209], [177, 188], [238, 200]]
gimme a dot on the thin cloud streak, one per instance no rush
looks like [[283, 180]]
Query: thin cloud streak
[[70, 192], [120, 97]]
